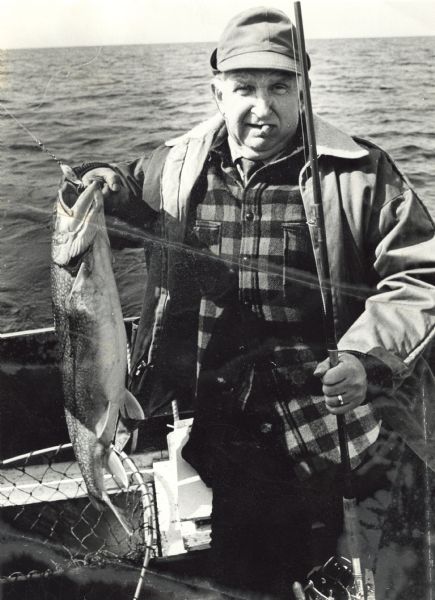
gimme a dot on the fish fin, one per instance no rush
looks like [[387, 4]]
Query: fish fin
[[116, 468], [102, 424], [131, 409]]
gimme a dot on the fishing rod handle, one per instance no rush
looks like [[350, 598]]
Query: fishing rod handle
[[342, 437], [333, 357]]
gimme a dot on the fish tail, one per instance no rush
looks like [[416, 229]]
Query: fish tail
[[109, 459], [117, 512], [105, 502]]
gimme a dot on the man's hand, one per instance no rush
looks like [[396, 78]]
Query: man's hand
[[111, 182], [344, 386]]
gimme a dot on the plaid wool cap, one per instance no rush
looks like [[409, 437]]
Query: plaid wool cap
[[258, 38]]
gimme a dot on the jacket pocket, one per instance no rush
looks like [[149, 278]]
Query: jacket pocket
[[208, 234]]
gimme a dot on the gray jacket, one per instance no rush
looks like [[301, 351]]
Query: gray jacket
[[381, 250]]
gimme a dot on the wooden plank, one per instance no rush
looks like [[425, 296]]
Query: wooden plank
[[41, 330], [169, 522], [60, 481], [194, 498], [177, 535]]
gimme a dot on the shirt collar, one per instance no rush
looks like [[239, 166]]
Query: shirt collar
[[227, 148]]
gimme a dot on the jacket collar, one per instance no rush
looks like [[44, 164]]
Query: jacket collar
[[214, 126], [330, 140]]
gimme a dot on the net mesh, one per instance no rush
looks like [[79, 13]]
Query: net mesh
[[48, 524]]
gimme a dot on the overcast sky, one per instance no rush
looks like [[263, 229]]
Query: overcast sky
[[39, 23]]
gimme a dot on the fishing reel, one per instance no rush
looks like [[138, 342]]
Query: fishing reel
[[333, 581]]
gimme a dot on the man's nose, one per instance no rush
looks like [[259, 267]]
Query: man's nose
[[262, 104]]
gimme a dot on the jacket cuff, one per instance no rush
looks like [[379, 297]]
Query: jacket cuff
[[86, 167], [379, 375]]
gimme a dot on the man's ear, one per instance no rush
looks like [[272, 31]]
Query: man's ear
[[217, 93]]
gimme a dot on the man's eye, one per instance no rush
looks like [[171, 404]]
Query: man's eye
[[280, 88], [244, 89]]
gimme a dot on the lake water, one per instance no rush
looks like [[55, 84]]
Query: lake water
[[116, 103]]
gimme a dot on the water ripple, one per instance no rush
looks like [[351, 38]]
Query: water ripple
[[115, 103]]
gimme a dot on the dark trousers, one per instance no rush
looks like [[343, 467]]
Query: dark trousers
[[262, 540], [269, 528], [263, 516]]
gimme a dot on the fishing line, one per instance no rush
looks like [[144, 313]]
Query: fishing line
[[20, 124], [34, 138], [66, 169], [71, 68], [297, 276], [141, 236]]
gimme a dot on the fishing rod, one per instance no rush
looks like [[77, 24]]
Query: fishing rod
[[326, 286]]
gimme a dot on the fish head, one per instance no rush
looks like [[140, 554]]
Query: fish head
[[77, 220]]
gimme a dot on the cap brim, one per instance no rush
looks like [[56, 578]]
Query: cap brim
[[259, 60]]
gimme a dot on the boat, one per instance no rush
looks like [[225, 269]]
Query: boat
[[54, 542]]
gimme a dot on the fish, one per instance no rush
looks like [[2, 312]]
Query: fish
[[91, 338]]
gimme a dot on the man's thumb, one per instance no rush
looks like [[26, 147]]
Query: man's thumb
[[322, 368]]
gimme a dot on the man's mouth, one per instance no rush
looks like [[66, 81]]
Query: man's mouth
[[261, 128]]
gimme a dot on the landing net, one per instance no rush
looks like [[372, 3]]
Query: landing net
[[49, 526]]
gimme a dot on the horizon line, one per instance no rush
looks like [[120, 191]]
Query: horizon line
[[354, 37]]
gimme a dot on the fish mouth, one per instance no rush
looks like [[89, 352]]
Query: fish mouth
[[76, 227], [66, 204], [70, 209], [78, 204]]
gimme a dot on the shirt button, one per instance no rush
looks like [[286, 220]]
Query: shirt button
[[266, 427], [245, 258], [298, 377], [249, 215]]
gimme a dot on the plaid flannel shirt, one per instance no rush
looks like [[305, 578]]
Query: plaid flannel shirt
[[260, 290]]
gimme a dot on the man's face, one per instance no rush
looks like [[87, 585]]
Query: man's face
[[261, 109]]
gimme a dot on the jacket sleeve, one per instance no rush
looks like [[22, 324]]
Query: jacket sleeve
[[398, 322], [130, 215]]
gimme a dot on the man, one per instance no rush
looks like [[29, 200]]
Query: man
[[232, 314]]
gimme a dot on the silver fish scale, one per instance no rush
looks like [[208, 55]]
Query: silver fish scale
[[92, 337], [72, 343]]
